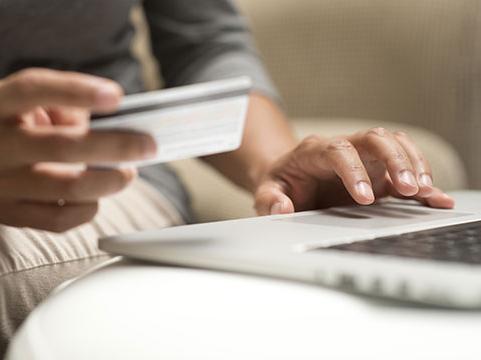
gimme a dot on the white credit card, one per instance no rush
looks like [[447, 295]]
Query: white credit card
[[188, 121]]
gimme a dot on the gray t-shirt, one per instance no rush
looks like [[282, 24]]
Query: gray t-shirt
[[193, 41]]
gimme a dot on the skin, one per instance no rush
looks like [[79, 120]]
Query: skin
[[44, 132], [286, 175], [44, 117]]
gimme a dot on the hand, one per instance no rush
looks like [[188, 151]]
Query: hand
[[323, 172], [44, 127]]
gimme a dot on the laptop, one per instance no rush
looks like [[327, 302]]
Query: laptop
[[396, 249]]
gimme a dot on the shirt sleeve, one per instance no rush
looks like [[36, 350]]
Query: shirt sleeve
[[204, 40]]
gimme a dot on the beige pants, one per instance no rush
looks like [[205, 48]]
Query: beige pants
[[33, 263]]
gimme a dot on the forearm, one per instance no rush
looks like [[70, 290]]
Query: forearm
[[267, 136]]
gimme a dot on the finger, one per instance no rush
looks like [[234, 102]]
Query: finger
[[382, 145], [49, 183], [344, 160], [37, 116], [58, 115], [419, 162], [45, 216], [319, 158], [436, 199], [271, 200], [30, 88], [72, 144], [439, 199]]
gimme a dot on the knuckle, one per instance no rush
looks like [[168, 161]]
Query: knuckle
[[340, 145], [398, 156], [310, 150], [377, 132], [397, 159], [312, 139], [401, 134], [419, 155], [24, 74], [309, 142], [372, 162], [26, 81], [355, 168]]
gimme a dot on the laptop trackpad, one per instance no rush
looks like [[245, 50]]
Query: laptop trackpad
[[387, 214]]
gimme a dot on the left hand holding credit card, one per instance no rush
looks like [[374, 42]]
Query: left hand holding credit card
[[190, 121]]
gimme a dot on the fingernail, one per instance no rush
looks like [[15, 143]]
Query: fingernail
[[426, 180], [407, 177], [107, 97], [365, 190], [276, 209]]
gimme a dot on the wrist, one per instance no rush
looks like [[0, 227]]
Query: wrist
[[257, 174]]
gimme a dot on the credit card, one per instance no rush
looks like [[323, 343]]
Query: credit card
[[186, 122]]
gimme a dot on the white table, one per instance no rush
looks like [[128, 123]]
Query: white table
[[140, 311]]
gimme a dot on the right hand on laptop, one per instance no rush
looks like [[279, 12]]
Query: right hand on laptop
[[322, 172], [44, 125]]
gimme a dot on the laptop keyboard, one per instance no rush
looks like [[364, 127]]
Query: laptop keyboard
[[457, 243]]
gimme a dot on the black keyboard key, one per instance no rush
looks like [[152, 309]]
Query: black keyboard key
[[457, 243]]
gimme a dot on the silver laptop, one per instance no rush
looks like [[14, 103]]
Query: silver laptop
[[395, 249]]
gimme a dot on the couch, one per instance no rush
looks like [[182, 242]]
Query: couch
[[343, 65]]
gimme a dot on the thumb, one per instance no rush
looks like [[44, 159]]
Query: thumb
[[270, 199]]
